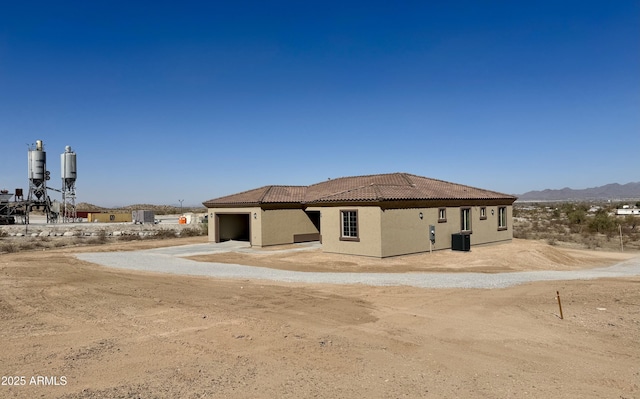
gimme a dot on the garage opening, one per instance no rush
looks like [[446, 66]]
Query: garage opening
[[314, 217], [233, 226]]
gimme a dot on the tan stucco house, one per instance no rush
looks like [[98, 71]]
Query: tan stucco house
[[376, 215]]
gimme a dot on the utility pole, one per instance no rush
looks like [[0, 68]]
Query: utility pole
[[621, 242], [180, 201]]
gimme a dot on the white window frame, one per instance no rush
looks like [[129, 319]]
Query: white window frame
[[442, 215], [465, 222], [502, 218]]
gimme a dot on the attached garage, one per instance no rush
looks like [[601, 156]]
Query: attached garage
[[233, 226]]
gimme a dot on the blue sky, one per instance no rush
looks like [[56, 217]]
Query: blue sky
[[188, 100]]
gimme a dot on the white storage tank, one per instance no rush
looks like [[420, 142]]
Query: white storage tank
[[68, 166], [37, 163]]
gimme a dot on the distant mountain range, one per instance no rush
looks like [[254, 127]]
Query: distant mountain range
[[613, 191]]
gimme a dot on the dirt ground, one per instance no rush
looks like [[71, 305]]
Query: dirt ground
[[520, 255], [96, 332]]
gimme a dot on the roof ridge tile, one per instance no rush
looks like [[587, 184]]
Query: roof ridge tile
[[264, 194]]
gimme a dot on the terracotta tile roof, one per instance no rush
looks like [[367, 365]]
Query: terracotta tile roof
[[285, 194], [371, 188], [394, 186], [262, 195]]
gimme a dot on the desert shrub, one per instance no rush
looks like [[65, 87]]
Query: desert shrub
[[575, 228], [602, 223], [573, 223], [165, 233], [129, 237], [101, 238], [556, 222], [577, 215], [630, 242], [59, 244], [29, 245], [630, 223], [205, 228], [535, 225], [42, 243], [192, 232], [8, 247], [521, 233], [590, 242], [3, 234]]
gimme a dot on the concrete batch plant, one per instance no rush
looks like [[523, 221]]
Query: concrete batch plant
[[38, 196]]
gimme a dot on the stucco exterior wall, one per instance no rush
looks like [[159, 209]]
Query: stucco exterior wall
[[486, 231], [381, 233], [445, 229], [403, 232], [369, 231], [280, 225], [267, 227], [483, 231]]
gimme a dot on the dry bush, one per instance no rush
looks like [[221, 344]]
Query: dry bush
[[192, 232], [24, 244], [129, 237], [576, 223], [521, 233], [101, 238], [165, 233], [8, 247], [560, 229], [591, 242], [29, 245], [630, 243], [575, 229], [535, 225]]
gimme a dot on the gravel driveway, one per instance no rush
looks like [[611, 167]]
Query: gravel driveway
[[171, 260]]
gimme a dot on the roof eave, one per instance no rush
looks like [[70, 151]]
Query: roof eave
[[253, 205]]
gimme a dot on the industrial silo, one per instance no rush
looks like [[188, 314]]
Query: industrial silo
[[37, 170], [69, 174], [38, 176], [68, 167]]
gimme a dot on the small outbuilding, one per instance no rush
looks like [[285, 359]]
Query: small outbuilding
[[376, 215]]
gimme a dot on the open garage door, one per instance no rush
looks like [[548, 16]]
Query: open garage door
[[233, 226], [314, 217]]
